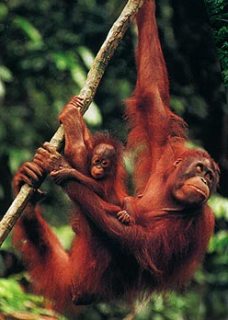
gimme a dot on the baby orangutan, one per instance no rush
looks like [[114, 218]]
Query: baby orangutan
[[101, 166]]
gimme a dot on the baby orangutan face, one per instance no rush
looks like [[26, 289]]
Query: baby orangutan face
[[103, 160]]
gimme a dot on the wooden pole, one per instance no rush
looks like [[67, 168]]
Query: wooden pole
[[87, 93]]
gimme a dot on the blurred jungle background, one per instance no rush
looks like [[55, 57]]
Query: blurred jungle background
[[46, 50]]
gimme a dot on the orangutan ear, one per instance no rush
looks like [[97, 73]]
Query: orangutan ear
[[177, 162]]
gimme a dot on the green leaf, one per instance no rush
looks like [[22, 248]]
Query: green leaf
[[219, 206], [5, 74], [86, 56], [2, 89], [64, 60], [28, 28], [78, 75], [219, 242], [3, 11], [93, 115], [65, 235]]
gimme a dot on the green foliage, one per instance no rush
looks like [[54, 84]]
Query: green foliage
[[31, 32], [65, 235], [16, 304], [217, 10], [174, 307]]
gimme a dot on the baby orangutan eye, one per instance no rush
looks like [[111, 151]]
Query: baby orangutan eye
[[105, 163], [96, 161]]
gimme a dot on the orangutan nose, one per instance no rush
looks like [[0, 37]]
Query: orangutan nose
[[204, 180]]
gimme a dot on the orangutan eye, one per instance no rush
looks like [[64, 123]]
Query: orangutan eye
[[199, 168], [96, 162], [209, 176], [105, 163]]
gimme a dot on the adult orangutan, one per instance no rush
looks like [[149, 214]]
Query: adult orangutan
[[172, 223]]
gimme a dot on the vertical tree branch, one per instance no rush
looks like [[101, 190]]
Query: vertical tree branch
[[87, 93]]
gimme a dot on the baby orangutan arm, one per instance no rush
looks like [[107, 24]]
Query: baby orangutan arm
[[63, 175], [66, 174]]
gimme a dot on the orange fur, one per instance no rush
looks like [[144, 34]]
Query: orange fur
[[168, 239]]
